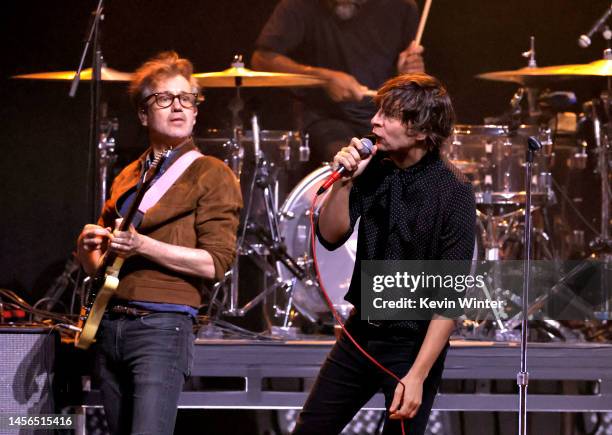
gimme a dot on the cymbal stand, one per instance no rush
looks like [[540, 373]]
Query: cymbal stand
[[106, 152], [272, 246], [602, 245], [93, 39], [532, 93], [275, 249]]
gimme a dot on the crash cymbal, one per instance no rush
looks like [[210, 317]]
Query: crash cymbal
[[108, 75], [240, 76], [599, 68]]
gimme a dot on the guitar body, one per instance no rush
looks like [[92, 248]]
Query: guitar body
[[91, 314]]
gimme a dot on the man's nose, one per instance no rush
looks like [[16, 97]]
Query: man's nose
[[376, 121], [176, 105]]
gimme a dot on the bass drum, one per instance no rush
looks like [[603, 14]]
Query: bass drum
[[335, 267]]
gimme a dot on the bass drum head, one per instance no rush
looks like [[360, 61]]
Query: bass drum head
[[335, 267]]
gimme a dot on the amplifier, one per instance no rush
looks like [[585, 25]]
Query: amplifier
[[26, 371]]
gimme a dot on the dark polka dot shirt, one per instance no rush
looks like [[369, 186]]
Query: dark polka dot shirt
[[424, 212]]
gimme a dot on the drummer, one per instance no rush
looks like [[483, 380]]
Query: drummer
[[340, 42]]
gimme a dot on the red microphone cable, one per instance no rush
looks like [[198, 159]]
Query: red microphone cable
[[335, 313]]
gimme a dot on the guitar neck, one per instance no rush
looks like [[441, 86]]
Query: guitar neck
[[111, 262]]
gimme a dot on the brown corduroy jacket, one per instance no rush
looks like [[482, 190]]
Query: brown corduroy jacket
[[200, 210]]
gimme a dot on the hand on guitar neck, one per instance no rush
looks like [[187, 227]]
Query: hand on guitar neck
[[126, 243]]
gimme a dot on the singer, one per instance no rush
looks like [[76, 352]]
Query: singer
[[413, 204]]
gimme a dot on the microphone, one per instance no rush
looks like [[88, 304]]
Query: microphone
[[365, 152], [585, 40]]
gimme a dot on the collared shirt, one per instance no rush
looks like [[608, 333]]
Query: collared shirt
[[424, 212]]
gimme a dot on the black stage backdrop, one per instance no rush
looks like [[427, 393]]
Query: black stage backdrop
[[44, 198]]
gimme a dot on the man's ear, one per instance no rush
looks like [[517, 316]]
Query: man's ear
[[142, 115]]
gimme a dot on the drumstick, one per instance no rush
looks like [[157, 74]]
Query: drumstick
[[422, 22], [417, 39]]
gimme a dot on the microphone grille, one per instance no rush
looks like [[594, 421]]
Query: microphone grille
[[367, 142]]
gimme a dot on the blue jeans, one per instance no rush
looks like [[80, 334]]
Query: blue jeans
[[141, 364], [348, 380]]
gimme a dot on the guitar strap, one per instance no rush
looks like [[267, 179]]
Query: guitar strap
[[168, 178]]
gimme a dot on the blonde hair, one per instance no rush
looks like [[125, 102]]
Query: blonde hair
[[164, 65]]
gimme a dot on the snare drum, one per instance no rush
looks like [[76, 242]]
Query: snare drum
[[335, 268], [493, 158]]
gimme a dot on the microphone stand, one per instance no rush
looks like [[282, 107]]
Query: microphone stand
[[522, 378], [93, 39]]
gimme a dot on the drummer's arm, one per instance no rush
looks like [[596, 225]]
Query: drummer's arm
[[339, 85], [265, 60]]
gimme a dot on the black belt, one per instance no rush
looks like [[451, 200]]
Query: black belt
[[129, 311]]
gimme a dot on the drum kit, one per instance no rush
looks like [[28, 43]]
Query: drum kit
[[275, 229]]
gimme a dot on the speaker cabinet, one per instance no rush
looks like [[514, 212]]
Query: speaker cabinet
[[26, 371]]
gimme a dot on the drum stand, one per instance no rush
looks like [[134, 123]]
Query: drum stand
[[271, 249], [601, 247]]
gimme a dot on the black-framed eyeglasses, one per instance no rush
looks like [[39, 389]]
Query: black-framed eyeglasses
[[165, 99]]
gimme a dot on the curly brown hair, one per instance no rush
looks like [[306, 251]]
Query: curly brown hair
[[421, 102], [164, 65]]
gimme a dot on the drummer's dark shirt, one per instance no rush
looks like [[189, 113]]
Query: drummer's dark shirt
[[365, 46], [424, 212]]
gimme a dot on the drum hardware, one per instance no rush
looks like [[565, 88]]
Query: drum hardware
[[489, 155], [335, 267], [96, 144], [106, 75], [585, 40], [101, 143], [598, 111], [106, 153], [539, 77], [270, 250], [239, 76]]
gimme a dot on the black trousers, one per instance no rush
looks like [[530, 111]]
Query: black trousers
[[347, 380]]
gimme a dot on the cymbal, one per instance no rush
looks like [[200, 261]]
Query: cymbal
[[599, 68], [247, 78], [108, 75]]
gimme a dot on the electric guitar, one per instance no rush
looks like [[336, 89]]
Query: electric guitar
[[106, 280]]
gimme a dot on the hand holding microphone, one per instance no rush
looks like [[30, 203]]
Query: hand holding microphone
[[351, 160]]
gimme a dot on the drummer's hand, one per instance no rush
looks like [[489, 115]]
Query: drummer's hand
[[341, 86], [411, 59], [351, 160]]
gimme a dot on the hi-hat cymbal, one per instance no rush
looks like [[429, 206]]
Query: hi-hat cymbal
[[108, 75], [599, 68], [240, 76]]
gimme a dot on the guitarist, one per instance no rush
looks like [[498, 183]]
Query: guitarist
[[183, 242]]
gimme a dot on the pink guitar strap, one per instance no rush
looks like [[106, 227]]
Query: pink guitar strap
[[164, 182]]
